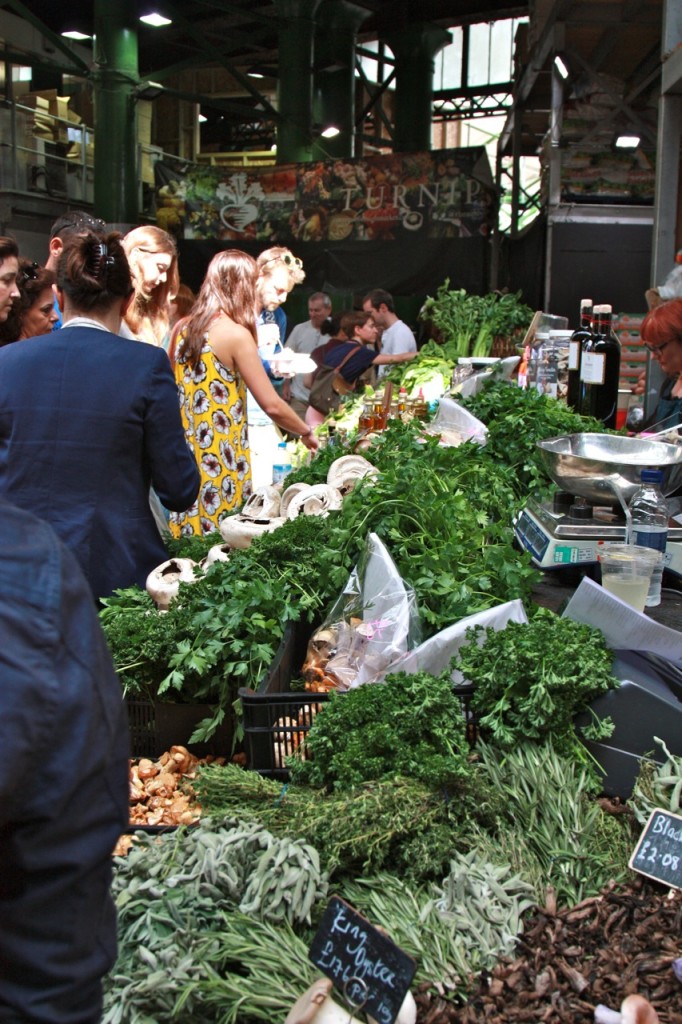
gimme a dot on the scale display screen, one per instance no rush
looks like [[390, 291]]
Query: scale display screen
[[531, 536]]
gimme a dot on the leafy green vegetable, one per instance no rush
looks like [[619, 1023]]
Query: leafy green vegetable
[[410, 725], [530, 680], [468, 324]]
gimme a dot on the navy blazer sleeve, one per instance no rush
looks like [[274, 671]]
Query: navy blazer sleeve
[[174, 473]]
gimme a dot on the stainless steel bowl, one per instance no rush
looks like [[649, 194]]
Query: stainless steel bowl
[[589, 465]]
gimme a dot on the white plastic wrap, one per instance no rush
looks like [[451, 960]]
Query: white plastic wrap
[[436, 653], [455, 424], [374, 622]]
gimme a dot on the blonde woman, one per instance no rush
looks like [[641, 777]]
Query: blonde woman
[[153, 259], [217, 359]]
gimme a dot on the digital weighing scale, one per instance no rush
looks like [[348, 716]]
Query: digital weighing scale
[[567, 531]]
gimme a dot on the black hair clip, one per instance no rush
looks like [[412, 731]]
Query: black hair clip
[[99, 259], [29, 273]]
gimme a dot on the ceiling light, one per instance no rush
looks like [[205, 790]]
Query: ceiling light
[[561, 67], [331, 132], [74, 34], [202, 118], [155, 19], [627, 141], [255, 74]]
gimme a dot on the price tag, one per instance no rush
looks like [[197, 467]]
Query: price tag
[[368, 969], [658, 853]]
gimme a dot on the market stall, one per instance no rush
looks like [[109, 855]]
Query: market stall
[[455, 817]]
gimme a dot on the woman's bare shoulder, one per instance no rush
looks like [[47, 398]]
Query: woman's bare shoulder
[[225, 333]]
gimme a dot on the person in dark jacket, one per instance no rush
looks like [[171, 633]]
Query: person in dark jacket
[[63, 782], [89, 421]]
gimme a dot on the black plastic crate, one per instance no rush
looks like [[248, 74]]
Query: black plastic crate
[[156, 726], [276, 718]]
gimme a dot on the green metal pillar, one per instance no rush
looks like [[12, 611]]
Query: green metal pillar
[[115, 79], [295, 96], [336, 26], [414, 48]]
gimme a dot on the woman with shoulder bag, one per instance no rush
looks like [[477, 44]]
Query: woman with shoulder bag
[[342, 362]]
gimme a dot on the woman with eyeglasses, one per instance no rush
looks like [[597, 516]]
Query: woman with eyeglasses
[[661, 332], [33, 311], [153, 258], [89, 421], [217, 360]]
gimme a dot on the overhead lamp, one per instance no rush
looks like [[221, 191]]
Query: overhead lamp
[[202, 118], [331, 132], [627, 141], [255, 74], [561, 67], [148, 90], [155, 19], [75, 34]]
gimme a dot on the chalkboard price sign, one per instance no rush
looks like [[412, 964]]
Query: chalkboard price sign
[[370, 971], [659, 851]]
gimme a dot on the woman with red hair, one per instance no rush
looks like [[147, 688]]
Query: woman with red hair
[[661, 332]]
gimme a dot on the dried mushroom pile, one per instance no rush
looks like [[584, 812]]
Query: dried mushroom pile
[[160, 793], [621, 942]]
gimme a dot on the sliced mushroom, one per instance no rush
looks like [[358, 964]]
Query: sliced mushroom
[[345, 472], [164, 582], [262, 504], [291, 492], [319, 500], [239, 531]]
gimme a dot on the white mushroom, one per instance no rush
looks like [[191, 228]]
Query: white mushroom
[[319, 500], [163, 582], [262, 504], [238, 531], [289, 494], [218, 553], [345, 472]]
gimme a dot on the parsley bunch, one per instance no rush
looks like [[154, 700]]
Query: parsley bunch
[[530, 680], [410, 725]]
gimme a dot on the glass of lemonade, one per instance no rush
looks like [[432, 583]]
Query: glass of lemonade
[[626, 571]]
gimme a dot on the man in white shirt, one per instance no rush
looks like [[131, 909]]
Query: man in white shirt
[[306, 338], [396, 336]]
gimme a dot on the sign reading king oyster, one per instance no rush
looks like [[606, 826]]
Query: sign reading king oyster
[[444, 194]]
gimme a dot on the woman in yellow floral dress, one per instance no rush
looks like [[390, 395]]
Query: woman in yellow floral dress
[[217, 359]]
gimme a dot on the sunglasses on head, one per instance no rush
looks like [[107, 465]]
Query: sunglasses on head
[[288, 259]]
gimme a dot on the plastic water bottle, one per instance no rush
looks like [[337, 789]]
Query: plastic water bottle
[[650, 524], [282, 465]]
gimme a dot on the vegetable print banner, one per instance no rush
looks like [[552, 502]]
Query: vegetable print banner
[[444, 194]]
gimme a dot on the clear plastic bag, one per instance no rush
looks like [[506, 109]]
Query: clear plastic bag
[[373, 623]]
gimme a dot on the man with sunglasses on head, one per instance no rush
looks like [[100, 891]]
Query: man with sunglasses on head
[[278, 271], [74, 222]]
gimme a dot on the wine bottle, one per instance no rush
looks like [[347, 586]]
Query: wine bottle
[[600, 370], [575, 353]]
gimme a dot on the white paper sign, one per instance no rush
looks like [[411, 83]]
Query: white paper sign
[[622, 626]]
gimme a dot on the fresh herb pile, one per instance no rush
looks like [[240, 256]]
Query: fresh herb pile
[[468, 324], [530, 679], [410, 725]]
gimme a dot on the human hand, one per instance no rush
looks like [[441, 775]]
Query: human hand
[[310, 441], [639, 387]]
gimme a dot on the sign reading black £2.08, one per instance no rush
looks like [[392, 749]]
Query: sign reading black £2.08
[[367, 968], [658, 853]]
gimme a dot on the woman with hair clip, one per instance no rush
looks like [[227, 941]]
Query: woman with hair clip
[[217, 359], [106, 426], [153, 259], [33, 310]]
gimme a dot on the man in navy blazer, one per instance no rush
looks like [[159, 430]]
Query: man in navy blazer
[[88, 422]]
